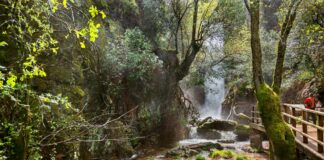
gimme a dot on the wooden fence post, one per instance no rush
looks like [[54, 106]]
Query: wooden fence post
[[320, 134], [293, 121], [286, 111], [305, 140]]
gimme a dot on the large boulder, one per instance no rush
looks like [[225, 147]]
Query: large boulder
[[215, 124], [242, 132], [208, 133]]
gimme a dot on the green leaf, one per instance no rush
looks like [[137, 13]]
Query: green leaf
[[103, 15], [93, 31], [64, 3], [93, 11], [3, 43], [11, 81], [82, 45]]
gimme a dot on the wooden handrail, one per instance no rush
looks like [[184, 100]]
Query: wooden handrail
[[289, 112], [310, 149], [320, 148], [304, 134], [303, 121], [298, 106]]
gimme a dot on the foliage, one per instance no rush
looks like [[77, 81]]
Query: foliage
[[196, 78], [30, 120], [133, 55], [222, 153], [200, 157], [305, 76], [227, 154]]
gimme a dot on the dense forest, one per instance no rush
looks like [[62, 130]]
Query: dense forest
[[129, 79]]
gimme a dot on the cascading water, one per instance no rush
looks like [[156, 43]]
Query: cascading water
[[214, 86], [215, 91]]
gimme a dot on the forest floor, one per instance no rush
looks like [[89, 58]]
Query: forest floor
[[238, 147]]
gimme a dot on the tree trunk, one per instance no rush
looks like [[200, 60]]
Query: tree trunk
[[280, 135], [256, 43], [282, 44]]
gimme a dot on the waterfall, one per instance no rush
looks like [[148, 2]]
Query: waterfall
[[215, 91]]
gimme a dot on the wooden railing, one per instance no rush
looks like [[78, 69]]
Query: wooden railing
[[295, 116], [308, 135]]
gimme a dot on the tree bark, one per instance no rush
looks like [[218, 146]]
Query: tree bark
[[282, 44], [256, 43], [280, 135]]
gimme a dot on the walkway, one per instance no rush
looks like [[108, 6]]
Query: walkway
[[309, 137]]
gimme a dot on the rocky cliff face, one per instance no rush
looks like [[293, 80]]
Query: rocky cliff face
[[299, 90], [242, 100], [196, 95]]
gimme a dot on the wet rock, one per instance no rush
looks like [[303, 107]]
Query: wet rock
[[192, 149], [226, 141], [205, 146], [204, 121], [181, 152], [248, 149], [242, 132], [214, 124], [208, 134]]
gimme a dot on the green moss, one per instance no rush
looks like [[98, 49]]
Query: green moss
[[222, 153], [280, 135], [242, 157], [78, 90], [227, 154], [200, 157]]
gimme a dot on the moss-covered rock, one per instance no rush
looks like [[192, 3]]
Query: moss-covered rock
[[242, 132], [192, 149], [227, 154], [221, 125]]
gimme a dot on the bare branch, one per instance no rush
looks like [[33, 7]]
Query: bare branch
[[247, 6]]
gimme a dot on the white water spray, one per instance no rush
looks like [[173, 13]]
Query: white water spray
[[215, 91]]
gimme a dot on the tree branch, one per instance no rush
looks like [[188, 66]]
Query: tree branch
[[282, 44], [247, 6], [183, 70]]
